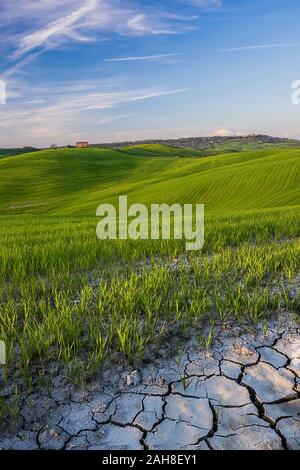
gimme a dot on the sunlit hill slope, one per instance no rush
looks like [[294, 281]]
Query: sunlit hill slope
[[76, 181]]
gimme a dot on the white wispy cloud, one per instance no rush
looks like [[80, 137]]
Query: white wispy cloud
[[222, 132], [205, 3], [69, 111], [51, 23], [143, 24], [18, 67], [256, 47], [143, 58], [109, 119], [158, 94], [62, 26]]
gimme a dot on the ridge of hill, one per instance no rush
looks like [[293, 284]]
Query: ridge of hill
[[76, 181]]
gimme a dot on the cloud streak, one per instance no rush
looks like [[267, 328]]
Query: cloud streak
[[210, 4], [158, 94], [259, 47], [143, 58]]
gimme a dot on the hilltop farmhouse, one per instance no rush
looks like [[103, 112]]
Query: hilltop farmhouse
[[81, 145]]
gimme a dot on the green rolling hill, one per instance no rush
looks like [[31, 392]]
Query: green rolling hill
[[76, 181], [16, 151]]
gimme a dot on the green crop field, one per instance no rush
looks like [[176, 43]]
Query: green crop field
[[15, 151], [68, 298], [76, 181]]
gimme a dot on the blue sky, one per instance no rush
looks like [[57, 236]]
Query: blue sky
[[110, 70]]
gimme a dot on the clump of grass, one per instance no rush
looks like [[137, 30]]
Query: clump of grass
[[9, 409], [210, 336]]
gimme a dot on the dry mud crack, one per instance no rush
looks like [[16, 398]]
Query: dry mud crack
[[244, 393]]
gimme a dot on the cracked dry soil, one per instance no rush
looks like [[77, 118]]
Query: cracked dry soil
[[241, 394]]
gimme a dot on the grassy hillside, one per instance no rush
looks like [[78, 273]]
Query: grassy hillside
[[16, 151], [231, 146], [76, 181], [73, 300], [205, 146], [160, 150]]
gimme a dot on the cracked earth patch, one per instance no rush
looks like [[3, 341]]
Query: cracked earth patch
[[241, 394]]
